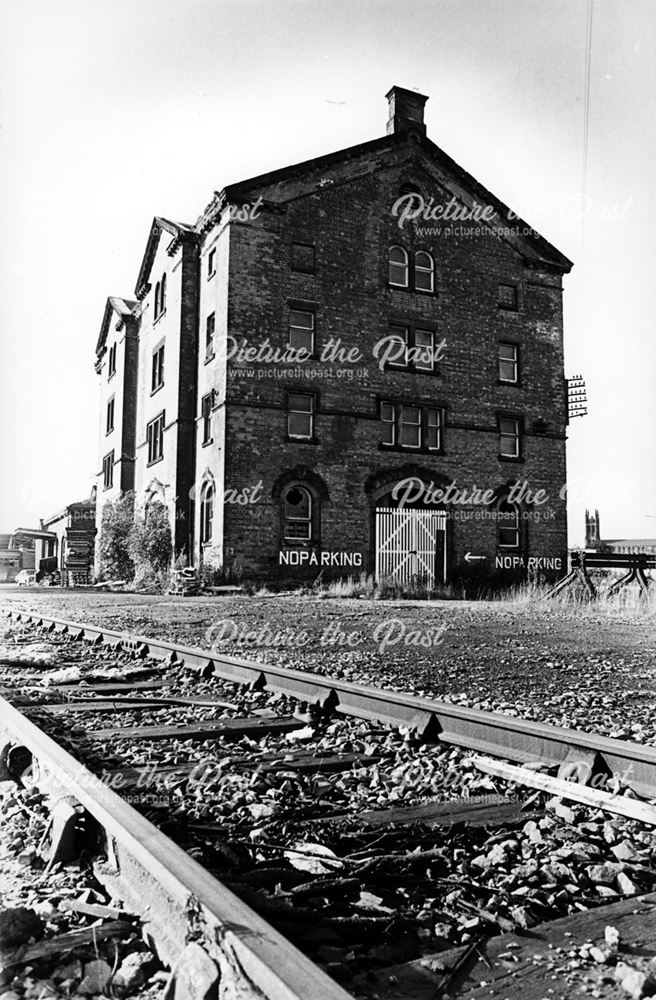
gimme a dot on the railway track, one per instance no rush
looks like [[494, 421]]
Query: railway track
[[485, 732], [359, 891]]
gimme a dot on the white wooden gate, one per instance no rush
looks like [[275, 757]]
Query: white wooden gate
[[411, 545]]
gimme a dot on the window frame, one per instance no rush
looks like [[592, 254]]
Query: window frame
[[514, 307], [405, 330], [155, 454], [518, 435], [426, 412], [428, 270], [309, 520], [416, 366], [409, 425], [390, 421], [514, 361], [109, 415], [311, 330], [108, 470], [410, 331], [206, 512], [111, 361], [411, 269], [405, 265], [311, 412], [516, 528], [206, 418], [157, 368], [439, 427], [210, 320], [160, 298], [211, 263]]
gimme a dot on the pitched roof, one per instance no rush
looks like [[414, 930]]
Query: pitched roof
[[124, 309], [33, 533], [178, 230], [525, 233], [75, 505]]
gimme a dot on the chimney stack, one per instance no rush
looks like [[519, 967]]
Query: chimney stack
[[406, 110]]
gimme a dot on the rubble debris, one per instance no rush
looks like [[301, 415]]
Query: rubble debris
[[19, 926]]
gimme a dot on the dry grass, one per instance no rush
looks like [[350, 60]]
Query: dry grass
[[365, 586], [628, 602], [352, 586]]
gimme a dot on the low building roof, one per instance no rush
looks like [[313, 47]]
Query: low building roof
[[33, 533], [628, 541]]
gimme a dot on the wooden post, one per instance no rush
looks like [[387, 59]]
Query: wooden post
[[563, 582], [623, 581], [587, 582]]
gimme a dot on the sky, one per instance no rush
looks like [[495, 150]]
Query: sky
[[112, 112]]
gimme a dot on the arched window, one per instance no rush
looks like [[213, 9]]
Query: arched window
[[424, 271], [160, 297], [508, 525], [398, 267], [297, 513], [206, 511]]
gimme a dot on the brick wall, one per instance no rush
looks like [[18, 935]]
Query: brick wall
[[343, 207], [348, 218]]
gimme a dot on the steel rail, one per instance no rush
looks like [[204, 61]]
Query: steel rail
[[493, 733], [197, 924]]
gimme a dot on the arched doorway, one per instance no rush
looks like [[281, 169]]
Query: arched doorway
[[411, 545], [409, 527]]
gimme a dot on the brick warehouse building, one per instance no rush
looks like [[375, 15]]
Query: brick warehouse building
[[320, 355]]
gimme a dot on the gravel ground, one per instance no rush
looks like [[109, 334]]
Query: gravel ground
[[370, 898], [590, 669], [33, 909]]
